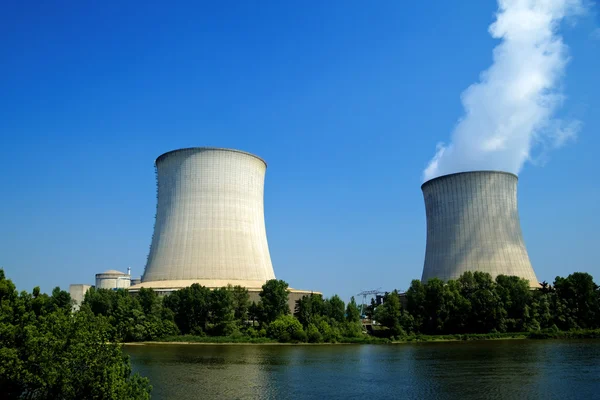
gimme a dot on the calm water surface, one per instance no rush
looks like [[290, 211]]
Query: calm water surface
[[518, 369]]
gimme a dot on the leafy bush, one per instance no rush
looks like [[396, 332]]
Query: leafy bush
[[331, 334], [286, 329], [313, 334], [352, 330]]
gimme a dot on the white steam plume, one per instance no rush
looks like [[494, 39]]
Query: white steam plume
[[510, 110]]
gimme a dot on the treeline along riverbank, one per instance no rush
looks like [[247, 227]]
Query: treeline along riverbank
[[475, 306]]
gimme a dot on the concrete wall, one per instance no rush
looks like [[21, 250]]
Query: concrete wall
[[77, 292], [473, 225], [210, 219]]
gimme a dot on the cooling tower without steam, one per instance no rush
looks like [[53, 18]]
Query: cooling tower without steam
[[210, 226], [473, 225]]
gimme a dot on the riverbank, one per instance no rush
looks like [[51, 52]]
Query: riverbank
[[574, 334], [463, 337], [244, 340]]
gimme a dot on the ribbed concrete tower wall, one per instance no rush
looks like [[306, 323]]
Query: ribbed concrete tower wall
[[210, 225], [473, 225]]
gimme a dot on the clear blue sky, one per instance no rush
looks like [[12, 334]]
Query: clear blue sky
[[346, 101]]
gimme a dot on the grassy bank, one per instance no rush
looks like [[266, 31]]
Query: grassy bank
[[573, 334], [217, 339], [462, 337], [190, 339], [546, 334]]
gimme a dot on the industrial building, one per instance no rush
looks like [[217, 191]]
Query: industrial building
[[113, 279], [77, 292], [210, 226], [473, 225]]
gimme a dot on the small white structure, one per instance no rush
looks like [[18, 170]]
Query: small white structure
[[113, 279], [77, 292]]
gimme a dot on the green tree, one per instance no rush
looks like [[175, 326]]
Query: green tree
[[457, 309], [388, 314], [415, 303], [99, 301], [308, 308], [149, 301], [436, 311], [313, 335], [407, 322], [241, 303], [330, 334], [222, 313], [59, 355], [579, 298], [541, 309], [40, 302], [191, 308], [61, 299], [516, 298], [131, 318], [352, 311], [255, 312], [274, 300], [486, 312], [370, 309], [221, 305], [335, 308]]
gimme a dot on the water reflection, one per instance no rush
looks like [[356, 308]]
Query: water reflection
[[494, 370]]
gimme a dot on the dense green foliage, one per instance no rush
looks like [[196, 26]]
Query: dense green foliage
[[324, 320], [197, 312], [471, 305], [475, 303], [286, 329], [48, 352], [274, 300], [352, 311], [130, 318]]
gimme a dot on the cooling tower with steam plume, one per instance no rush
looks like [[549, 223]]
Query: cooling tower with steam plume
[[472, 218], [473, 225]]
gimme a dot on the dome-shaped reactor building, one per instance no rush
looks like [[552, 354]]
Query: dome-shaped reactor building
[[210, 226], [473, 225]]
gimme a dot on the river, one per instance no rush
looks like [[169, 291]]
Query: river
[[508, 369]]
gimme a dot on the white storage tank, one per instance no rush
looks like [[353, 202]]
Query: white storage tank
[[113, 279]]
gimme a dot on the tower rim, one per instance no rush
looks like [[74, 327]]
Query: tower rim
[[430, 181], [168, 153]]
